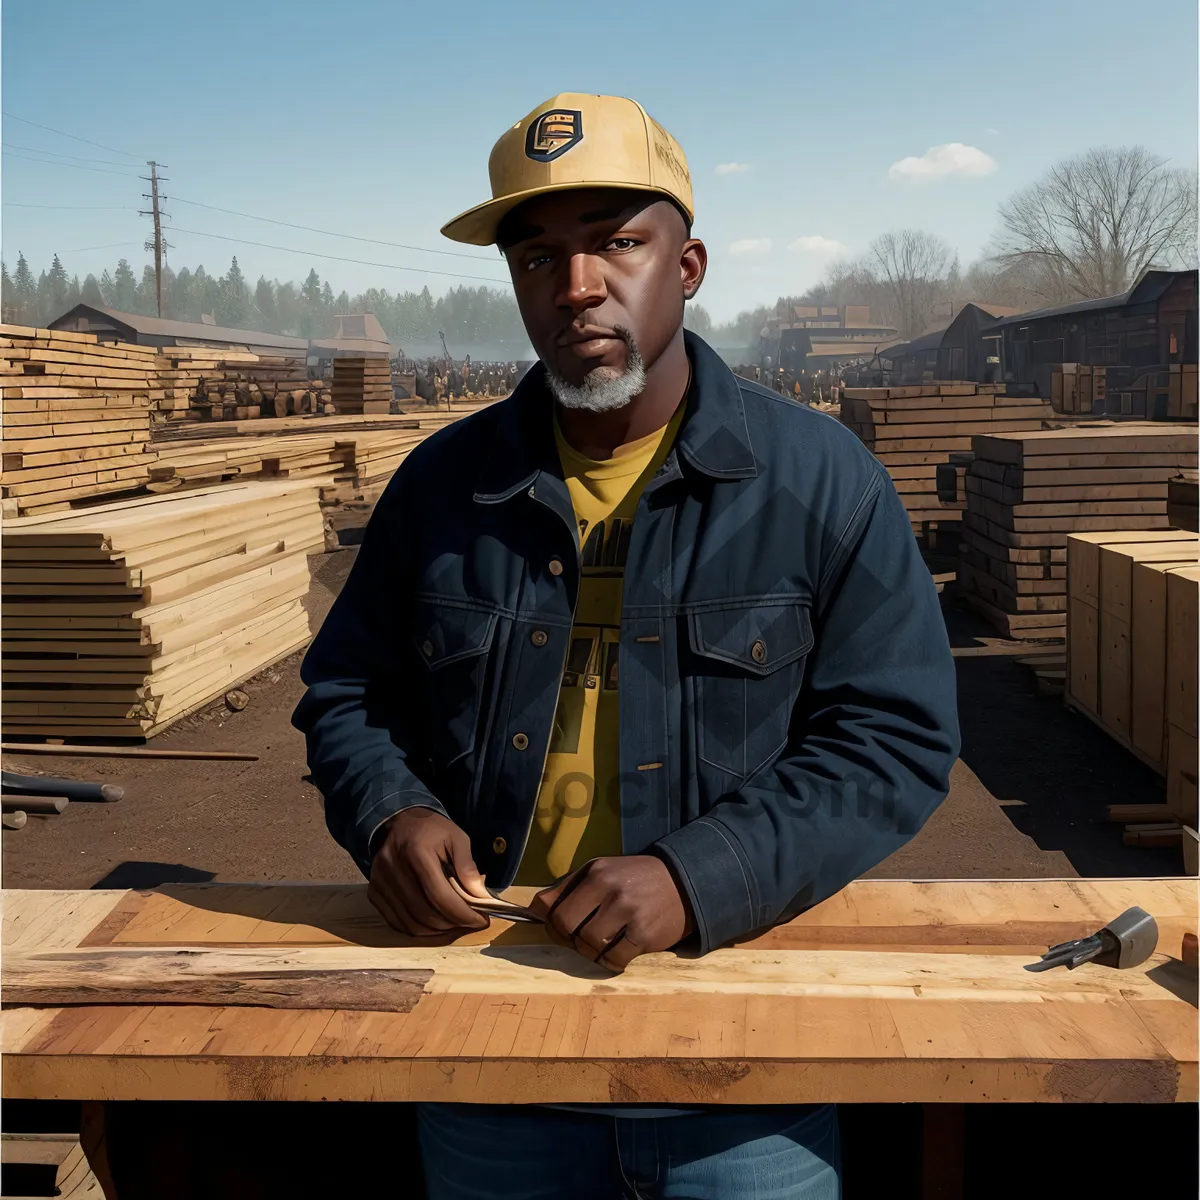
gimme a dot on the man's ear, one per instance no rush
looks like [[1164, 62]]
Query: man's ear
[[693, 263]]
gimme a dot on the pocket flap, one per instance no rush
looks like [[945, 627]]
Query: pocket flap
[[757, 637], [445, 633]]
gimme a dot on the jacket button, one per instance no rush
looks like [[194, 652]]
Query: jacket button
[[758, 652], [427, 647], [520, 741], [499, 845], [538, 637], [556, 567]]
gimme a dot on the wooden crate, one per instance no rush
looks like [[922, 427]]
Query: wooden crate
[[1130, 665]]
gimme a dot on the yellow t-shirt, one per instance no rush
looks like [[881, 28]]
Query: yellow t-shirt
[[578, 815]]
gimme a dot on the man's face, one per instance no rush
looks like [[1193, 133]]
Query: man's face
[[600, 277]]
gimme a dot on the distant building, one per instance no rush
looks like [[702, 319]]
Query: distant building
[[962, 353], [1148, 327], [814, 337], [109, 325], [358, 334]]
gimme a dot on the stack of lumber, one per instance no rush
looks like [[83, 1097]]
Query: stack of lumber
[[362, 385], [1131, 648], [911, 430], [351, 458], [122, 619], [1183, 501], [222, 383], [1027, 492], [76, 417], [1077, 387]]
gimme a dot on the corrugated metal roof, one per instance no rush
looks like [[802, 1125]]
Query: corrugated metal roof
[[194, 331], [1147, 290]]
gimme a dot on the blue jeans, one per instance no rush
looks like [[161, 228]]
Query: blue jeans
[[520, 1152]]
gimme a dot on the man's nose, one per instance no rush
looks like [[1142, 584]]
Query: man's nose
[[584, 284]]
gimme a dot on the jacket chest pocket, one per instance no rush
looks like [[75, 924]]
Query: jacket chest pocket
[[747, 664], [453, 643]]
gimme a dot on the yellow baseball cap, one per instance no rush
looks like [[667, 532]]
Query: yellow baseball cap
[[576, 141]]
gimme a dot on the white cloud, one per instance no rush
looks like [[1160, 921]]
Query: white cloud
[[732, 168], [816, 244], [938, 162], [750, 246], [993, 132]]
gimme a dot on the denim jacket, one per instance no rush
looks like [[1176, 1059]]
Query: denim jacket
[[787, 694]]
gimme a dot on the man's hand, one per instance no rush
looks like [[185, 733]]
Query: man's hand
[[410, 875], [613, 909]]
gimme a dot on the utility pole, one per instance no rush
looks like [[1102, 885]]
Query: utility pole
[[156, 243]]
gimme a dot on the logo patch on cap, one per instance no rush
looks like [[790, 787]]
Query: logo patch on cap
[[553, 133]]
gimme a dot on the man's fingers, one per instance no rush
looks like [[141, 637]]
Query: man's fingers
[[446, 901], [419, 907], [386, 908], [620, 954], [463, 864]]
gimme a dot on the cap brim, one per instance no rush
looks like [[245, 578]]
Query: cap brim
[[478, 225]]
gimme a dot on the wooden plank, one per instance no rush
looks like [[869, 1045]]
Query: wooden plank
[[1182, 621], [530, 1022]]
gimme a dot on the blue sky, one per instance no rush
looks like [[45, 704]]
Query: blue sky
[[376, 120]]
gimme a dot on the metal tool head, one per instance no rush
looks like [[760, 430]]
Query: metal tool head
[[1127, 941], [1135, 938]]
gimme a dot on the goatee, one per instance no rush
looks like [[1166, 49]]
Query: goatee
[[604, 389]]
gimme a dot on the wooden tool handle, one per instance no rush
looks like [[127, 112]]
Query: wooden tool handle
[[1190, 951]]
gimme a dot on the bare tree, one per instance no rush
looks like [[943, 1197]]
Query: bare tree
[[912, 269], [1092, 224]]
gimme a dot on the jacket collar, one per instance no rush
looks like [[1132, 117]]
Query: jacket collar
[[713, 439]]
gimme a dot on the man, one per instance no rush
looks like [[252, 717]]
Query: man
[[661, 645]]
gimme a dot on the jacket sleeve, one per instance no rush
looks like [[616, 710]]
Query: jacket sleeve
[[361, 750], [874, 734]]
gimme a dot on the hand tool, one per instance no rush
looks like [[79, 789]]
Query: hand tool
[[497, 906], [1127, 941]]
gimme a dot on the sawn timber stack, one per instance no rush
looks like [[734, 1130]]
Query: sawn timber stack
[[76, 417], [362, 385], [1027, 492], [122, 619], [913, 429]]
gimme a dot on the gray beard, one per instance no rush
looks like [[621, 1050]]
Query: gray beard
[[604, 389]]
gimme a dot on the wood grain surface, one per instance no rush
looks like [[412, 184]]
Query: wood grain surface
[[888, 991]]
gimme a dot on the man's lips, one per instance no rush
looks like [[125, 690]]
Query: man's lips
[[589, 343]]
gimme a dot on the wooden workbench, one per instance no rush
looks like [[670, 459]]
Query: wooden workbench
[[888, 991]]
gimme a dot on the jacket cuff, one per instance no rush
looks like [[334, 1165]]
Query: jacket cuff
[[717, 879], [373, 816]]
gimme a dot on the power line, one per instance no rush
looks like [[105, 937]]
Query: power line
[[362, 262], [331, 233], [72, 136], [106, 246], [75, 207], [112, 162], [49, 162]]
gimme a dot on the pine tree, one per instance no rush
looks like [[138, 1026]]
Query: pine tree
[[264, 302], [90, 293], [57, 287], [124, 288], [24, 291], [234, 304], [107, 288], [7, 296]]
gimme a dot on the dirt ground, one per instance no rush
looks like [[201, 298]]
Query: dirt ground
[[1026, 801]]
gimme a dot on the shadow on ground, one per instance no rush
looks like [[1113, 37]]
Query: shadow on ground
[[1051, 769]]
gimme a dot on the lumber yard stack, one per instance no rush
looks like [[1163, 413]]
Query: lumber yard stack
[[218, 383], [913, 429], [125, 618], [352, 458], [76, 417], [362, 384], [1169, 394], [1028, 492], [1131, 649]]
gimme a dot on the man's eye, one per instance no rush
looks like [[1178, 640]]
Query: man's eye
[[536, 261], [623, 243]]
